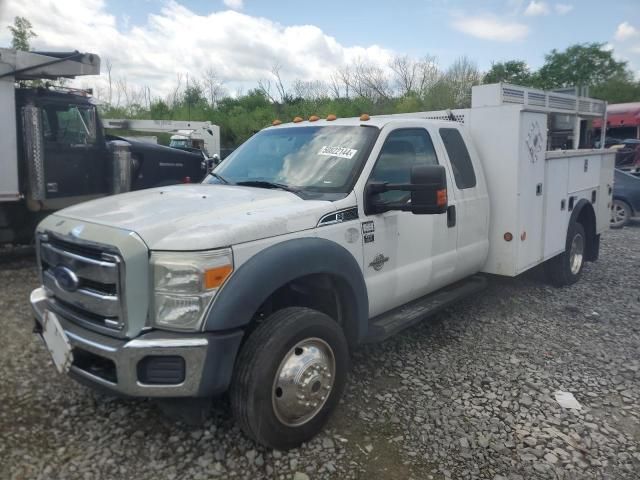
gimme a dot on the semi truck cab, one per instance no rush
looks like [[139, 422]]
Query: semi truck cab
[[310, 239]]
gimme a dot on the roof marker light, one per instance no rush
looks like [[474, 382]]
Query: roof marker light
[[276, 122], [364, 117], [314, 118], [331, 117], [297, 119]]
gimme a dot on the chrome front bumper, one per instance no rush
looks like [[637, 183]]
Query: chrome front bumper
[[208, 357]]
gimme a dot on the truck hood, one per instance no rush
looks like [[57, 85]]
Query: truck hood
[[201, 217]]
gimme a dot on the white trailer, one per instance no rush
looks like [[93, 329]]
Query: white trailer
[[202, 136]]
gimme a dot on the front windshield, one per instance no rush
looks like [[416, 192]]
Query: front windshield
[[315, 159], [179, 143]]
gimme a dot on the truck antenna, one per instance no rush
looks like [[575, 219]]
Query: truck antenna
[[188, 100]]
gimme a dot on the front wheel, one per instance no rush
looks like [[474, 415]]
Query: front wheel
[[289, 376], [620, 214], [566, 268]]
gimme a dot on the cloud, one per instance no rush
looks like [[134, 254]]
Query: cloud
[[536, 8], [491, 28], [562, 8], [242, 49], [625, 31], [234, 4]]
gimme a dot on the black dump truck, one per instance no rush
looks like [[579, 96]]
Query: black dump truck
[[54, 152]]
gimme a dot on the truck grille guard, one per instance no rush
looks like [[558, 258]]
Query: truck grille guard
[[84, 283]]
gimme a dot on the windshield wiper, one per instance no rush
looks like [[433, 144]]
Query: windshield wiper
[[219, 177], [267, 184]]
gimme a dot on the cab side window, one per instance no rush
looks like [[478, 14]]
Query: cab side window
[[403, 149], [459, 157], [69, 124]]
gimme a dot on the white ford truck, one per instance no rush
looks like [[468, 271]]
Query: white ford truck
[[314, 237]]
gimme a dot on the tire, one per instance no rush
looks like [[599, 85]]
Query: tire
[[566, 268], [620, 213], [264, 395]]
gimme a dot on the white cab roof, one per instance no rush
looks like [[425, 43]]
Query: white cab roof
[[375, 121]]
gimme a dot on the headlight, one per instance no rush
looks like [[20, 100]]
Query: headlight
[[184, 284]]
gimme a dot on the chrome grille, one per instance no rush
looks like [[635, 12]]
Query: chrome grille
[[96, 301]]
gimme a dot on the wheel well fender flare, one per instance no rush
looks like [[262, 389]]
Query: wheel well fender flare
[[280, 264], [583, 210]]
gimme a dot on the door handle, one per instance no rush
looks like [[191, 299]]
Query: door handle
[[451, 216]]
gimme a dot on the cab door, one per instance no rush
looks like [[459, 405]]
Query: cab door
[[75, 154], [471, 209], [405, 255]]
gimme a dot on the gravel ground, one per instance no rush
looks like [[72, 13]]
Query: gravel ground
[[467, 394]]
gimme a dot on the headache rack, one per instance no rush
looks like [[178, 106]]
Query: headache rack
[[574, 111], [538, 100]]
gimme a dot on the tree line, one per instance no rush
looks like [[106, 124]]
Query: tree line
[[406, 84]]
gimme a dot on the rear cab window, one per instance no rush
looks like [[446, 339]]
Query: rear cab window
[[459, 158]]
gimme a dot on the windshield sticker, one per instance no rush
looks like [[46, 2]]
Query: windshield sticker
[[341, 152]]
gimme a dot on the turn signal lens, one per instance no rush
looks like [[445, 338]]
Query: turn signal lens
[[214, 277], [364, 117], [297, 119], [441, 197]]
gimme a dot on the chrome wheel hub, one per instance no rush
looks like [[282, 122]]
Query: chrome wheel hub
[[303, 381], [618, 214], [576, 254]]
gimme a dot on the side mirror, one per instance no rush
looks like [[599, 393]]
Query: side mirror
[[431, 196], [209, 163], [428, 189]]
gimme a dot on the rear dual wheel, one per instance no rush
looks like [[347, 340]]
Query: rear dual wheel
[[289, 376], [566, 268]]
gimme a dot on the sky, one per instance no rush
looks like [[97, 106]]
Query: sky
[[150, 43]]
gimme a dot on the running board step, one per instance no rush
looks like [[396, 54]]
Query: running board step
[[390, 323]]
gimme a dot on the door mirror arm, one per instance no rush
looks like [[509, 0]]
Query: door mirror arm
[[428, 189]]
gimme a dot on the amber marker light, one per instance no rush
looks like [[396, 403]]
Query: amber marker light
[[276, 122], [331, 117], [214, 277], [441, 197], [314, 118], [364, 117], [297, 119]]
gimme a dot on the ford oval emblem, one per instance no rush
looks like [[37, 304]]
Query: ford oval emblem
[[66, 279]]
